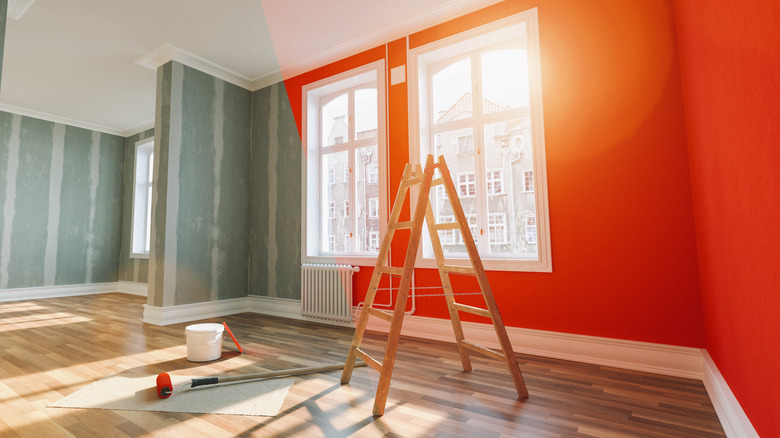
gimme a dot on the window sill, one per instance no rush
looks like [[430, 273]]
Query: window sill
[[139, 256], [491, 264], [341, 260]]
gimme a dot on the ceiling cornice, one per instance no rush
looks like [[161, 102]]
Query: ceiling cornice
[[168, 52], [57, 119]]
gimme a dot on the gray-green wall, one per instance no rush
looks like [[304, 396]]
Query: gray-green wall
[[201, 195], [131, 269], [275, 233], [3, 18], [61, 192]]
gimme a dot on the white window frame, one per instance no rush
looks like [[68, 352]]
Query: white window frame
[[420, 143], [311, 227], [143, 172]]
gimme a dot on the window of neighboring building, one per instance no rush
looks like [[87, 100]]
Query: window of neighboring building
[[344, 134], [495, 182], [467, 185], [528, 181], [373, 240], [530, 230], [480, 91], [142, 198]]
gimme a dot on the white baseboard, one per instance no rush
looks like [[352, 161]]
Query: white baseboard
[[68, 290], [193, 312], [733, 419], [133, 288], [640, 356]]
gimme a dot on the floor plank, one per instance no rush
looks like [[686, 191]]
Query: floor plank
[[52, 348]]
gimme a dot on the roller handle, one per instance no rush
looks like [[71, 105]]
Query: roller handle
[[204, 381]]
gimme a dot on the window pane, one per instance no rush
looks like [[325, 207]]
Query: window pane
[[367, 197], [334, 121], [335, 221], [506, 165], [504, 80], [452, 92], [366, 121]]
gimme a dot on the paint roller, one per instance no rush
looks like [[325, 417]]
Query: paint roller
[[165, 387]]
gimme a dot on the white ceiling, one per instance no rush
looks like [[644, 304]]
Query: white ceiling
[[90, 63]]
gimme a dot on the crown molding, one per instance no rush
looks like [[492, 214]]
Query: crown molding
[[17, 8], [147, 124], [381, 36], [58, 119], [168, 52]]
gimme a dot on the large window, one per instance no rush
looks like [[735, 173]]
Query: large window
[[142, 198], [476, 100], [345, 165]]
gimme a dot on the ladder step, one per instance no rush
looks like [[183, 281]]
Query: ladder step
[[471, 309], [413, 181], [400, 225], [392, 270], [379, 313], [373, 363], [446, 226], [480, 349], [459, 269], [437, 182]]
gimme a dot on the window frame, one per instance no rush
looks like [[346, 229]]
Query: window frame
[[140, 231], [311, 241], [420, 129]]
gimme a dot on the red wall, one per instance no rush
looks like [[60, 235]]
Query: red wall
[[730, 54], [623, 248]]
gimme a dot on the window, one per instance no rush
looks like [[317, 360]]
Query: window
[[373, 240], [497, 228], [447, 237], [530, 230], [142, 198], [475, 98], [495, 182], [465, 144], [373, 207], [467, 185], [528, 181], [344, 134]]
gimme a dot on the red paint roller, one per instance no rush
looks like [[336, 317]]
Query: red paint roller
[[165, 387]]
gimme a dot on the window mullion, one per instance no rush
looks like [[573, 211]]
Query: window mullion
[[483, 237]]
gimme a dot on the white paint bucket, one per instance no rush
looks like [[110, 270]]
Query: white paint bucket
[[204, 342]]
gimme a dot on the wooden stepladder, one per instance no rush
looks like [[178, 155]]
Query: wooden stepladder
[[423, 212]]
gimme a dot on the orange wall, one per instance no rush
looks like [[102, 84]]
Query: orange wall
[[623, 251], [730, 54]]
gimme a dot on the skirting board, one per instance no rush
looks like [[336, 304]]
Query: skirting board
[[133, 288], [733, 419], [68, 290]]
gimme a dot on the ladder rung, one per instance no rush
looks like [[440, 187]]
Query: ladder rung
[[471, 309], [392, 270], [437, 182], [459, 269], [480, 349], [380, 313], [446, 226], [373, 363], [413, 181], [400, 225]]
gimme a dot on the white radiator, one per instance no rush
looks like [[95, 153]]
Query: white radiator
[[326, 292]]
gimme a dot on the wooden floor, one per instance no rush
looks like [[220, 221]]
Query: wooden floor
[[52, 348]]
